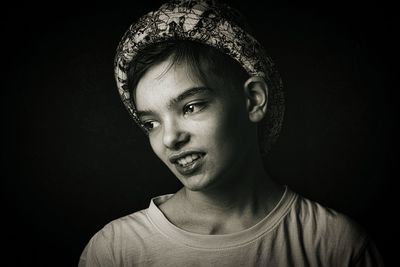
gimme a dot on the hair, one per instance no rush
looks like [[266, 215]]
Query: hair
[[204, 62]]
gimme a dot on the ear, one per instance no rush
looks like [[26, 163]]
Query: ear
[[256, 91]]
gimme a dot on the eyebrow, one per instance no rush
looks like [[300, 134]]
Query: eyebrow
[[188, 93]]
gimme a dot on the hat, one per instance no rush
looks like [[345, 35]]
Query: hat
[[211, 23]]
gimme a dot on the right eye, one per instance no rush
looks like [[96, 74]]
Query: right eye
[[150, 125]]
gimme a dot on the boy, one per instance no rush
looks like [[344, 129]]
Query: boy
[[198, 84]]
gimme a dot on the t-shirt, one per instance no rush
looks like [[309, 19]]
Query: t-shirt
[[297, 232]]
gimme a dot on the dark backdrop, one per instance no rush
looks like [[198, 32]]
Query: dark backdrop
[[73, 160]]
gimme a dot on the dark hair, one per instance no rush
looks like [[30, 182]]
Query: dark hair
[[204, 62]]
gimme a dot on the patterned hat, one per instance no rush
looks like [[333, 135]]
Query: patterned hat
[[211, 23]]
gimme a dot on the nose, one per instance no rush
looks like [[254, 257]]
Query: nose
[[175, 136]]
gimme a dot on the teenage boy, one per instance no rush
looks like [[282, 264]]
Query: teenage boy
[[200, 85]]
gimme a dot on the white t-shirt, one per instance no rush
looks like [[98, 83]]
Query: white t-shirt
[[298, 232]]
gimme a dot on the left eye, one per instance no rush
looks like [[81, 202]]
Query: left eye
[[193, 108]]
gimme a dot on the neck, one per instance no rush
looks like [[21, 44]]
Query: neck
[[245, 190], [244, 199]]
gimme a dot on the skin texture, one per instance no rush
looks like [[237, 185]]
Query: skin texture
[[229, 190]]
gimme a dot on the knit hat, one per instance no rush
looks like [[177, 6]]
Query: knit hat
[[211, 23]]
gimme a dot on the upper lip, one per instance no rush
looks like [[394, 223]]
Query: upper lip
[[174, 157]]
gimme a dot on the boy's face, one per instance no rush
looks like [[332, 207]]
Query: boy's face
[[201, 133]]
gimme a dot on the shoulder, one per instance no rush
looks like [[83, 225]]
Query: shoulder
[[330, 230], [115, 236], [331, 223], [327, 220], [327, 237], [132, 226]]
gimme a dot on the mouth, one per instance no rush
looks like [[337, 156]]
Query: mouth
[[188, 162]]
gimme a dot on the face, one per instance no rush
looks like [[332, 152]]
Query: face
[[198, 131]]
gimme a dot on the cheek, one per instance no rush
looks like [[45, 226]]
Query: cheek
[[216, 131], [156, 145], [228, 130]]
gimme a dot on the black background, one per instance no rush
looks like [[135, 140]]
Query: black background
[[73, 160]]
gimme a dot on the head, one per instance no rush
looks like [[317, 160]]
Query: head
[[198, 106], [207, 46]]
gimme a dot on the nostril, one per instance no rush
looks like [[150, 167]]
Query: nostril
[[180, 144], [176, 140], [184, 138]]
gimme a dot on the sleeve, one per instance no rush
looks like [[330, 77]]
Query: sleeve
[[98, 252], [369, 256]]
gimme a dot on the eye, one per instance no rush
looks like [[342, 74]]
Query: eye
[[193, 108], [150, 125]]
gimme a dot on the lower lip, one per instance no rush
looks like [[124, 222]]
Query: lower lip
[[190, 168]]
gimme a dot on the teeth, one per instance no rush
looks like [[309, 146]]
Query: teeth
[[188, 159]]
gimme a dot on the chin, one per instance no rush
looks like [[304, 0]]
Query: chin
[[196, 183]]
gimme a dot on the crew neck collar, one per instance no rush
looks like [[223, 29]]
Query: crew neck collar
[[220, 241]]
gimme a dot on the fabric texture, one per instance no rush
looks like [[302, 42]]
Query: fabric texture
[[213, 24], [298, 232]]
